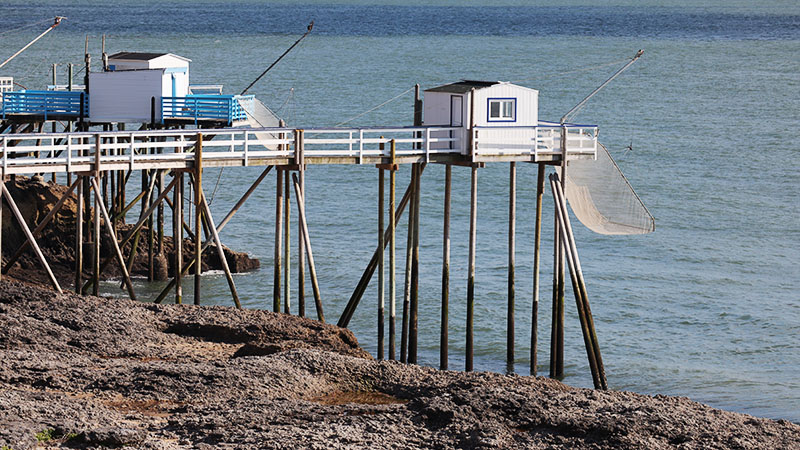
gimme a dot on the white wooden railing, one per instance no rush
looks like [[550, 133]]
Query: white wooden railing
[[134, 150]]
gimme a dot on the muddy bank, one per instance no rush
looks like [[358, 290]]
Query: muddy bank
[[35, 198], [85, 372]]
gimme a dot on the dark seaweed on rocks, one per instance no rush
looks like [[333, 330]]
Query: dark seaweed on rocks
[[87, 372]]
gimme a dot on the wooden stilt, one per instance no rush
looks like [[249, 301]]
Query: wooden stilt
[[381, 268], [160, 235], [413, 327], [301, 208], [96, 222], [301, 251], [512, 229], [29, 235], [392, 257], [355, 298], [198, 189], [405, 324], [189, 264], [79, 236], [287, 249], [117, 251], [444, 334], [276, 288], [473, 225], [177, 234], [537, 241], [133, 233], [223, 261], [56, 208], [579, 288]]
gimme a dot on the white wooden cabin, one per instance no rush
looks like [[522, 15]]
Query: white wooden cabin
[[504, 114], [124, 92]]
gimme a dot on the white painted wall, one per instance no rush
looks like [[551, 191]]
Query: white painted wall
[[162, 62], [125, 96], [436, 110]]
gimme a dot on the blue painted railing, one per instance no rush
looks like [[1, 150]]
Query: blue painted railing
[[199, 107], [45, 103]]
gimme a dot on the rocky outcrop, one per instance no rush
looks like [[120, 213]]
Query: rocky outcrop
[[36, 197], [87, 372]]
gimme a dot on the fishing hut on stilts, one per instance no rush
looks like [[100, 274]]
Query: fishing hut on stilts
[[180, 133]]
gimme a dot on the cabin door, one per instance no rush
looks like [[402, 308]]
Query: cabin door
[[456, 115]]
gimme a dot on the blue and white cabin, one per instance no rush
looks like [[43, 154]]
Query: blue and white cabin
[[124, 92], [507, 114]]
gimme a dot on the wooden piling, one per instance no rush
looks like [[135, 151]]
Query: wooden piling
[[392, 256], [537, 241], [301, 208], [79, 236], [117, 252], [96, 222], [473, 226], [444, 334], [512, 219], [276, 287], [287, 249], [189, 264], [177, 236], [381, 268], [220, 250], [27, 231], [409, 255], [413, 326], [301, 251], [198, 189], [358, 292]]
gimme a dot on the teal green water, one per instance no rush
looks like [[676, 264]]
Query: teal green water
[[706, 307]]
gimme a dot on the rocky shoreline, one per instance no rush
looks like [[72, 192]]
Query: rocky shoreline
[[88, 372]]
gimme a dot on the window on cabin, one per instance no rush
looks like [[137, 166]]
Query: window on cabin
[[502, 109]]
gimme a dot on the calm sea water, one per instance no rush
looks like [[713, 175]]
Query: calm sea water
[[706, 307]]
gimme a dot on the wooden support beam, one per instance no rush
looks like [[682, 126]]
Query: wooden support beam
[[287, 249], [352, 304], [537, 242], [96, 223], [579, 287], [444, 333], [79, 236], [177, 236], [117, 251], [473, 225], [392, 257], [56, 208], [276, 280], [301, 250], [381, 268], [405, 322], [29, 235], [220, 250], [301, 208], [134, 232], [413, 317], [512, 229], [198, 189], [185, 269]]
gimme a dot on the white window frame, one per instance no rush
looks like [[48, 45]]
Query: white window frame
[[502, 117]]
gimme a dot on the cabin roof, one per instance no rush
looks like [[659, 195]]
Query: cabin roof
[[462, 86], [143, 56]]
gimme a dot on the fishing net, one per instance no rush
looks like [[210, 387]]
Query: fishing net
[[603, 200], [260, 116]]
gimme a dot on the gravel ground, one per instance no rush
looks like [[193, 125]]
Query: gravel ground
[[87, 372]]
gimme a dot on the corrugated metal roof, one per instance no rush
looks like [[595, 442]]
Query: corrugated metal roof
[[143, 56], [462, 86]]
